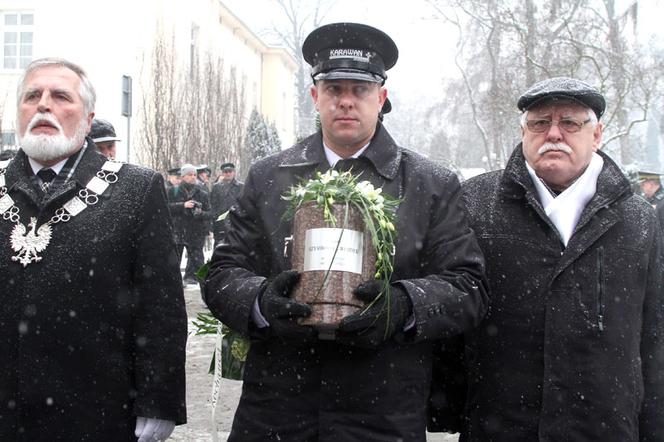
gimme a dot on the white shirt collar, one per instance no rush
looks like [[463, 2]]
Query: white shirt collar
[[332, 157], [37, 166]]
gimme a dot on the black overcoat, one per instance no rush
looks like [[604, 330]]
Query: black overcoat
[[572, 348], [190, 226], [94, 334], [325, 391]]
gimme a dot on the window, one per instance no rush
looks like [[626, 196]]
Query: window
[[8, 139], [17, 39]]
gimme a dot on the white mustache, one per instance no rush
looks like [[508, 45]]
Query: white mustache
[[39, 117], [562, 147]]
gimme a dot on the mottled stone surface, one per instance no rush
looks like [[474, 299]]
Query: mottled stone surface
[[330, 294]]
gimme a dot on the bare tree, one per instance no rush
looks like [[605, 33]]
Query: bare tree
[[192, 111], [301, 16], [505, 46], [159, 136]]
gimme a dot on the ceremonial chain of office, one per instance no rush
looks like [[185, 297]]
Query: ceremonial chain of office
[[27, 243]]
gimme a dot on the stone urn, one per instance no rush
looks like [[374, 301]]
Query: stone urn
[[332, 260]]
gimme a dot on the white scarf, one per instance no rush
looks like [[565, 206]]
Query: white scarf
[[565, 209]]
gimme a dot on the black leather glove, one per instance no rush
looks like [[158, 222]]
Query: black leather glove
[[379, 322], [282, 312]]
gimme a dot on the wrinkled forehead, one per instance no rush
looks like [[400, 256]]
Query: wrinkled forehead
[[52, 76], [559, 108]]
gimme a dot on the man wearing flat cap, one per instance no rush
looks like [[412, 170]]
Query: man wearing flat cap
[[572, 348], [369, 379]]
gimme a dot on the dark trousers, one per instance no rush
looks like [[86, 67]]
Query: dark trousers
[[195, 258]]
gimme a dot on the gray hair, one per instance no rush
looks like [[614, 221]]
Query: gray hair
[[86, 91], [592, 116]]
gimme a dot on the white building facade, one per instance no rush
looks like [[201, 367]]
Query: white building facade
[[115, 39]]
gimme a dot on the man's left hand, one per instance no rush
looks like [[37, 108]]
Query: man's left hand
[[151, 429], [386, 316]]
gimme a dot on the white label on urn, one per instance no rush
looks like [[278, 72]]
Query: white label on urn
[[320, 246]]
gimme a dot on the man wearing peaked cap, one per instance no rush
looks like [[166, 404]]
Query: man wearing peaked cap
[[651, 186], [349, 51], [103, 135], [368, 379], [224, 194], [571, 348]]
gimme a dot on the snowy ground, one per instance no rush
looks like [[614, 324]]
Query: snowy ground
[[199, 385]]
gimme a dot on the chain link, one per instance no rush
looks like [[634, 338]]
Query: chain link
[[61, 215], [109, 177], [89, 197], [11, 214]]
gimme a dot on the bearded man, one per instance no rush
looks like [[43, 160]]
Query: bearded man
[[92, 309]]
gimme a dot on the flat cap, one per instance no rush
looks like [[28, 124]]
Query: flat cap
[[227, 166], [349, 51], [102, 130], [174, 171], [563, 88]]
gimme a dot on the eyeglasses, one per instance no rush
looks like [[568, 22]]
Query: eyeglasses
[[568, 125]]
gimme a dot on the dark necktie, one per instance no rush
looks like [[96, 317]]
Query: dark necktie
[[348, 164], [46, 176]]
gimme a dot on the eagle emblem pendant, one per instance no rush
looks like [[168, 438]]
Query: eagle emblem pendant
[[28, 242]]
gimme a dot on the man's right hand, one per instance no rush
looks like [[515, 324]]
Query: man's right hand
[[282, 312], [189, 204]]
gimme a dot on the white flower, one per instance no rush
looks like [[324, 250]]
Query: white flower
[[300, 192], [327, 176]]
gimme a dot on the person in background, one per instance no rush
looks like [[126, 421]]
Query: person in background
[[203, 176], [92, 309], [173, 178], [651, 187], [369, 379], [572, 348], [7, 154], [103, 135], [189, 205], [224, 194]]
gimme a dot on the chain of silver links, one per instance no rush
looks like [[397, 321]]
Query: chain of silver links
[[89, 197]]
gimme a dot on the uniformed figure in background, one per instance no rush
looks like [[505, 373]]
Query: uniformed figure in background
[[651, 186], [7, 154], [103, 135], [203, 173], [173, 178], [572, 348], [371, 381], [224, 194]]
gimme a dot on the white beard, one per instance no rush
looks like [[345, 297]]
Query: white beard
[[45, 148]]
